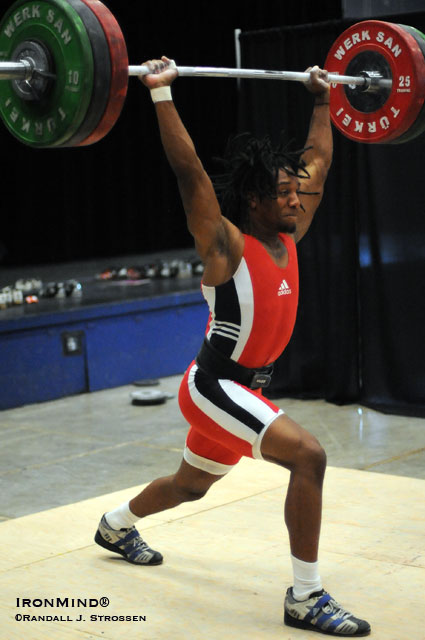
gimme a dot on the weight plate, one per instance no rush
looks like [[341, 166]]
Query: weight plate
[[393, 48], [419, 125], [119, 70], [146, 382], [147, 397], [58, 115], [101, 73]]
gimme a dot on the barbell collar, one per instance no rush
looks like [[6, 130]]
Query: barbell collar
[[298, 76], [22, 70]]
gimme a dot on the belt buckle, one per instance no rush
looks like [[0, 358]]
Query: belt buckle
[[260, 380]]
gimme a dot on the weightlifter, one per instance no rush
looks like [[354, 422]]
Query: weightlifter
[[247, 243]]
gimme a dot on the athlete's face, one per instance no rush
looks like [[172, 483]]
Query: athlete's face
[[286, 206], [281, 213]]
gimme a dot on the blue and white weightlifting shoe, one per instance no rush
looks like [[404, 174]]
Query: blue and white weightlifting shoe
[[320, 612], [128, 543]]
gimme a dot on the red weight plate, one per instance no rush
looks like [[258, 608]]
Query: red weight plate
[[119, 71], [403, 55]]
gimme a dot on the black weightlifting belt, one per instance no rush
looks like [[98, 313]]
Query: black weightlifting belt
[[216, 364]]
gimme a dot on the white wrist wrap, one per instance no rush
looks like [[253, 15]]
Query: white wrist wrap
[[159, 94]]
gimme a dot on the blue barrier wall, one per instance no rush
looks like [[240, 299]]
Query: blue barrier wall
[[50, 356]]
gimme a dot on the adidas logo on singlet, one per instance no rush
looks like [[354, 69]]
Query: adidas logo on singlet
[[284, 289]]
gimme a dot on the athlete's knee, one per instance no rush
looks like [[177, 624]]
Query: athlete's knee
[[313, 455], [302, 452]]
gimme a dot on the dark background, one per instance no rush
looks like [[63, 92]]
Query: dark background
[[119, 196], [359, 335]]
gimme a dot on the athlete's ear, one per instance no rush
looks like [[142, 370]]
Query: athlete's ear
[[252, 200]]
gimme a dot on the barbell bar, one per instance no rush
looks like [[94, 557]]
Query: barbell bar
[[24, 70], [67, 66], [364, 81]]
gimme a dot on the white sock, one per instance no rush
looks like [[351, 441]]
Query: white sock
[[306, 578], [121, 517]]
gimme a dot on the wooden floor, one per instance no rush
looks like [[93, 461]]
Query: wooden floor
[[226, 564]]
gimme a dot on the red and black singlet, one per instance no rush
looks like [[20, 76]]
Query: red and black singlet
[[252, 316]]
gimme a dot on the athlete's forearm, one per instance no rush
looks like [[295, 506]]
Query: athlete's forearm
[[320, 133], [176, 141]]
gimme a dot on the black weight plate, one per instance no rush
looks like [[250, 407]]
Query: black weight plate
[[418, 126], [147, 397], [101, 76], [146, 382]]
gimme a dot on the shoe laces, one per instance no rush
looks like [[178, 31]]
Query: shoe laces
[[139, 543], [333, 607]]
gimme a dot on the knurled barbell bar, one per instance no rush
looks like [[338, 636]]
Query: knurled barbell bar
[[25, 70], [65, 71]]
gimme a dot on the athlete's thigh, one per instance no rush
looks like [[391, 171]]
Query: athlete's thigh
[[208, 455], [194, 479]]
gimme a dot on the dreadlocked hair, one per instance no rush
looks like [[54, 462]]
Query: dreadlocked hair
[[251, 166]]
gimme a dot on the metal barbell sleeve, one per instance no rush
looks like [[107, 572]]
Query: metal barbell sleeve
[[21, 70]]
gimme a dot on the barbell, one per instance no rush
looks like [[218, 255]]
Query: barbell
[[64, 71]]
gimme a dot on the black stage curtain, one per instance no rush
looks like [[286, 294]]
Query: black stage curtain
[[359, 334]]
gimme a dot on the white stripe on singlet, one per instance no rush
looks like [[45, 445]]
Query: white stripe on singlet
[[244, 288], [209, 295], [244, 291]]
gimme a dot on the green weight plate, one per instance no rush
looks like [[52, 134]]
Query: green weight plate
[[102, 74], [59, 113], [418, 126]]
